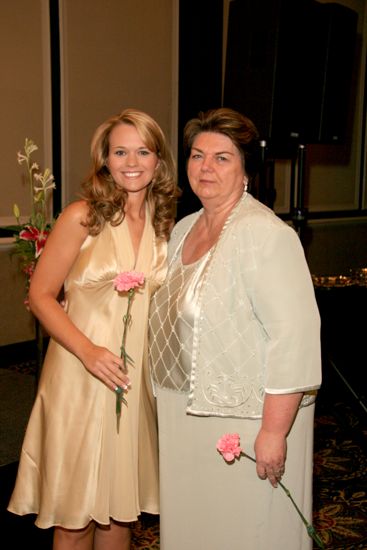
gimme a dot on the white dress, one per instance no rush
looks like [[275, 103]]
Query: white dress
[[207, 504]]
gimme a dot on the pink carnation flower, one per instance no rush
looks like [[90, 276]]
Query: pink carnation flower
[[127, 280], [229, 446]]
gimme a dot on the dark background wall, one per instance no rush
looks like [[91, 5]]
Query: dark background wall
[[296, 69], [200, 74]]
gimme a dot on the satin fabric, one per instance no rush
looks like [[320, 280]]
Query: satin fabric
[[171, 343], [74, 467]]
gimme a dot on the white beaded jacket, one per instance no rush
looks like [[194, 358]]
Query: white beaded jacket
[[257, 324]]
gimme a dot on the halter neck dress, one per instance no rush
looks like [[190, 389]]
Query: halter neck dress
[[74, 466]]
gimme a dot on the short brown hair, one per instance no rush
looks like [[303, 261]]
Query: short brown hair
[[240, 130]]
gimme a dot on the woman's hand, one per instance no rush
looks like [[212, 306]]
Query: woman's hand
[[270, 446], [270, 452], [106, 366]]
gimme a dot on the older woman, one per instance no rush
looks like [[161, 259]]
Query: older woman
[[235, 348]]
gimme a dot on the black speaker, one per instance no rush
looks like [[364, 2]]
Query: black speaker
[[288, 67], [337, 57]]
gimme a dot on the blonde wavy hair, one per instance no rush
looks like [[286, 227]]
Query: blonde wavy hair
[[106, 201]]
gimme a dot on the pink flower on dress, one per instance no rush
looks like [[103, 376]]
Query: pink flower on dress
[[229, 446], [127, 280]]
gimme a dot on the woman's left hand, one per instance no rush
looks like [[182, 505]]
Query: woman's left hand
[[279, 413], [270, 452]]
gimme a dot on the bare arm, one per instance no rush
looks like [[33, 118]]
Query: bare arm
[[271, 443], [62, 248]]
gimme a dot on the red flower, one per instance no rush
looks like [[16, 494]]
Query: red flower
[[31, 233], [29, 269]]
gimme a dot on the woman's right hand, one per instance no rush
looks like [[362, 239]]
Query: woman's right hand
[[106, 366]]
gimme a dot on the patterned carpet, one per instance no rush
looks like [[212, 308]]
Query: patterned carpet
[[340, 480], [145, 535], [340, 475]]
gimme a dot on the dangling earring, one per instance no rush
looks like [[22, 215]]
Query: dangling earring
[[245, 184]]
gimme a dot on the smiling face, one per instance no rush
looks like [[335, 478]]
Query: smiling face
[[130, 162], [215, 168]]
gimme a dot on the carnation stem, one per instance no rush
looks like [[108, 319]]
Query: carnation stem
[[119, 399], [126, 358], [310, 528], [126, 320]]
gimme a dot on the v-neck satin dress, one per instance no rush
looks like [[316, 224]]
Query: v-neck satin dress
[[74, 467]]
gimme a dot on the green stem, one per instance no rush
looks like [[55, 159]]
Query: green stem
[[126, 358], [30, 176], [126, 319], [310, 528]]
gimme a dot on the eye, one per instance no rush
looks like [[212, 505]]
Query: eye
[[221, 158], [120, 153], [144, 152], [196, 156]]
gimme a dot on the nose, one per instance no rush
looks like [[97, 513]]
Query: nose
[[207, 163], [131, 159]]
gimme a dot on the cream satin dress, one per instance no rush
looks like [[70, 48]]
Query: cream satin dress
[[74, 466]]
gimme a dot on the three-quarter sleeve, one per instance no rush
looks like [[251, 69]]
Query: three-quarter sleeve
[[285, 305]]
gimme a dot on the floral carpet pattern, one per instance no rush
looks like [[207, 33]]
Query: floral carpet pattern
[[340, 474], [145, 535], [340, 481]]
